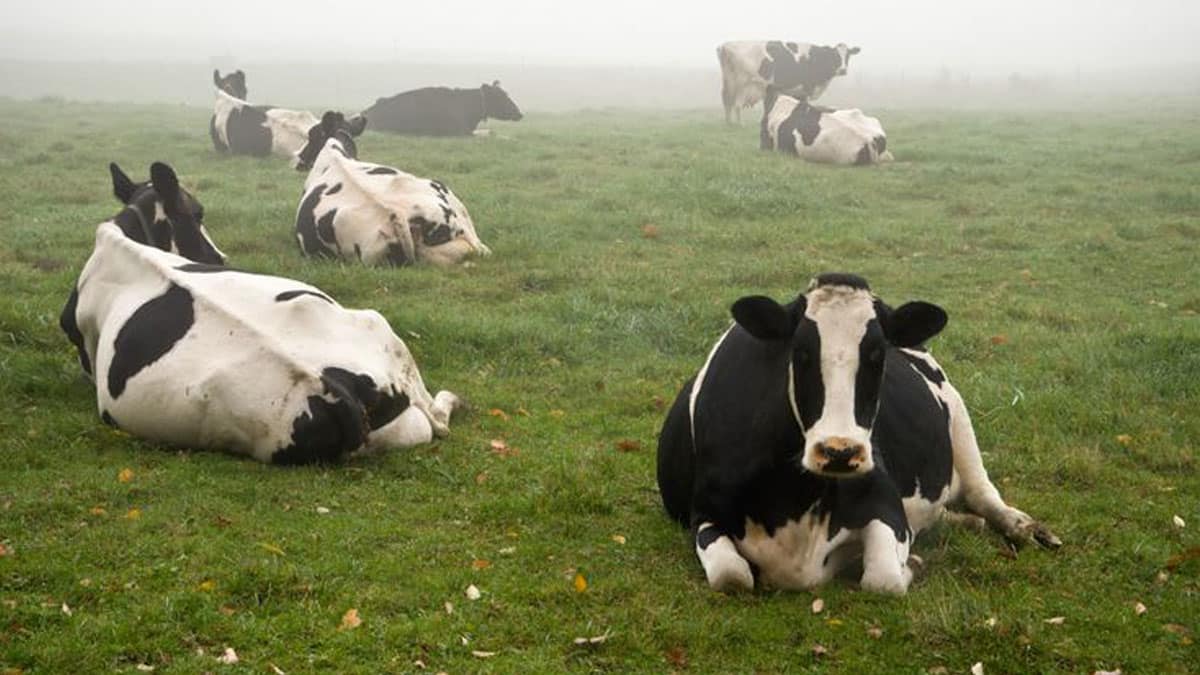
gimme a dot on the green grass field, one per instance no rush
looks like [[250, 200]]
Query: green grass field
[[1064, 246]]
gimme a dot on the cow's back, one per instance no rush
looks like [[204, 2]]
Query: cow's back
[[437, 111]]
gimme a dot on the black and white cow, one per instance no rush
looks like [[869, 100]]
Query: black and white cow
[[796, 127], [241, 128], [801, 69], [375, 214], [820, 431], [188, 352], [442, 111]]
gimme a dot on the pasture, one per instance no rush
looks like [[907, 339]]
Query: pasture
[[1064, 247]]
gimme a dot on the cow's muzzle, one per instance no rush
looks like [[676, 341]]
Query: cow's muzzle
[[838, 457]]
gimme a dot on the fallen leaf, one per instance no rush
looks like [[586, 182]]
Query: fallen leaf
[[3, 550], [507, 550], [659, 403], [818, 606], [619, 538], [222, 521], [207, 585], [938, 670], [227, 610], [145, 667], [1178, 522], [322, 510], [480, 654], [420, 664], [875, 632], [1175, 561], [599, 639], [501, 448], [819, 650], [677, 656], [649, 231], [1124, 439], [833, 622], [350, 620], [1162, 577], [1055, 620], [481, 478], [1139, 608], [557, 413], [97, 511], [66, 609], [999, 340], [449, 606], [629, 445], [473, 593], [481, 564], [275, 669], [229, 658], [125, 476], [133, 514], [977, 669], [522, 412], [496, 412], [1108, 672], [271, 548], [1178, 629], [581, 583], [991, 622]]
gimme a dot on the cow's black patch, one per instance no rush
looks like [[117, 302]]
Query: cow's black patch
[[793, 47], [929, 372], [432, 234], [306, 223], [439, 187], [396, 255], [69, 325], [382, 171], [705, 537], [880, 143], [334, 189], [205, 268], [108, 419], [325, 227], [160, 232], [149, 333], [381, 408], [247, 131], [912, 431], [130, 222], [292, 295], [358, 252], [863, 157]]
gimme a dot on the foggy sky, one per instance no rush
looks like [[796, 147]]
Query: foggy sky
[[1046, 34]]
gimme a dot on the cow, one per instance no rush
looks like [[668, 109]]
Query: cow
[[818, 134], [442, 111], [375, 214], [187, 352], [801, 69], [820, 431], [241, 128]]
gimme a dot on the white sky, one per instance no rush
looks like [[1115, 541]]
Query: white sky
[[1050, 34]]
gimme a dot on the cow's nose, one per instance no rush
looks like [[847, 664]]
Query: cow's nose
[[840, 455]]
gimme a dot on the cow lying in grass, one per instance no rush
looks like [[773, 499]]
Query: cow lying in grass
[[796, 127], [188, 352], [819, 432], [442, 111], [375, 214], [241, 128]]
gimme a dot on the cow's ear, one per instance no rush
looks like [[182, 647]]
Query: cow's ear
[[763, 318], [913, 323], [854, 50], [166, 184], [496, 83], [357, 124], [123, 187]]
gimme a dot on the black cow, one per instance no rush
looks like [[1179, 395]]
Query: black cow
[[819, 431], [441, 111]]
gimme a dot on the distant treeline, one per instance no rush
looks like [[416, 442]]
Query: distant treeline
[[353, 86]]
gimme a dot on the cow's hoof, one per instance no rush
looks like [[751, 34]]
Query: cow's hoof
[[887, 584], [1043, 536], [1025, 529]]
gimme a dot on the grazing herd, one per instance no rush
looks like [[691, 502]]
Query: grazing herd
[[816, 433]]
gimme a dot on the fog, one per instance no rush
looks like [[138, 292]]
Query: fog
[[570, 55]]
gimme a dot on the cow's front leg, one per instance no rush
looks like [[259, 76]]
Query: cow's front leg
[[726, 569], [885, 559]]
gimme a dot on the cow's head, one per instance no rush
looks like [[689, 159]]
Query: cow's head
[[838, 334], [497, 105], [164, 215], [333, 126], [844, 53], [233, 84]]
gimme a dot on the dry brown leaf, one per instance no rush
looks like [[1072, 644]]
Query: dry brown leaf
[[1139, 608], [819, 650], [1175, 561], [557, 413], [322, 510], [271, 548], [677, 656], [276, 669], [227, 610], [125, 476], [97, 511], [629, 445], [659, 403], [4, 550], [1055, 620], [229, 658], [619, 538], [1176, 628], [66, 609], [350, 620], [522, 412], [133, 514], [999, 339], [480, 654], [481, 564], [144, 668], [473, 593], [481, 478], [449, 607], [581, 583], [207, 585], [875, 632], [818, 606], [1124, 439], [1108, 672], [649, 231], [496, 412], [977, 669], [222, 521], [591, 641], [1178, 522], [500, 447]]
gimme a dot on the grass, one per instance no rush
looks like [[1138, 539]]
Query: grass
[[1063, 246]]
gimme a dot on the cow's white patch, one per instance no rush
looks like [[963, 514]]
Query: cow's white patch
[[799, 554], [724, 568], [843, 134], [289, 131], [885, 560], [377, 212]]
